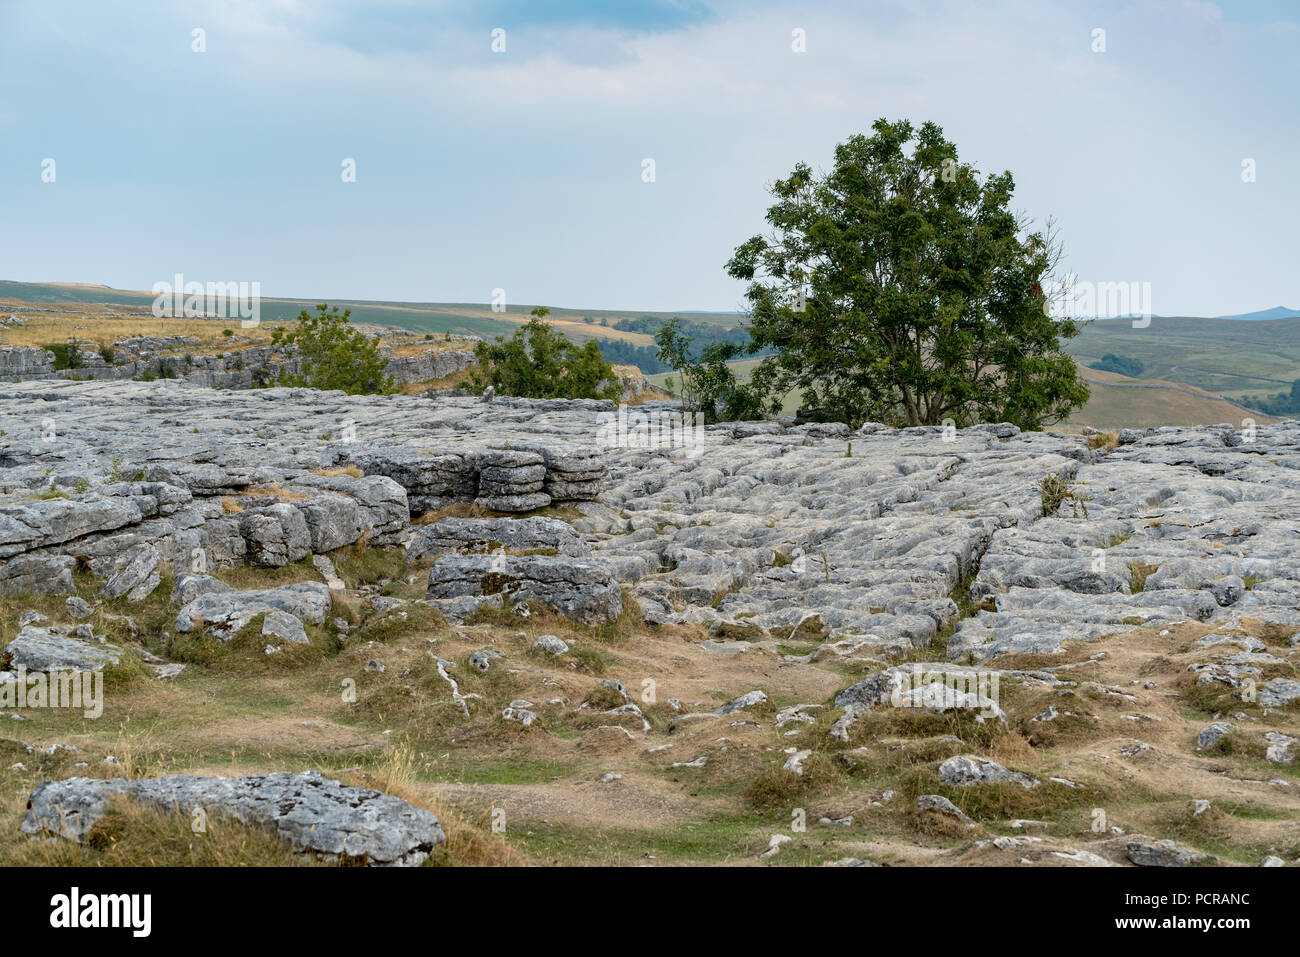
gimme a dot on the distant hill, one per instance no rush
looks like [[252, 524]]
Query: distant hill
[[1121, 402], [1277, 312], [1224, 356]]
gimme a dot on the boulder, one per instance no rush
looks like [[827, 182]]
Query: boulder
[[314, 813], [223, 612], [583, 589], [38, 649]]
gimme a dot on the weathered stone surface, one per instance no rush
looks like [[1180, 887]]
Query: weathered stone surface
[[580, 588], [276, 535], [969, 769], [484, 535], [314, 813], [757, 526], [223, 610], [36, 574], [138, 578], [38, 649], [1163, 854], [1211, 734], [941, 805], [1278, 692]]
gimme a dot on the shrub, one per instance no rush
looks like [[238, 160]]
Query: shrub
[[540, 363], [337, 357]]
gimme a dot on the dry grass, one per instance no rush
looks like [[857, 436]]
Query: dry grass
[[470, 840], [135, 835], [89, 323], [229, 506], [281, 493], [1103, 441], [351, 470]]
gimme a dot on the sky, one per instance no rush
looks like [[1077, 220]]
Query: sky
[[524, 168]]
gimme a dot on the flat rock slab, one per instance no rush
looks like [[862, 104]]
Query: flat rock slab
[[583, 589], [482, 535], [314, 813], [225, 610], [38, 649]]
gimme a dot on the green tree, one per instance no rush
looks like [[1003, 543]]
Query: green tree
[[1124, 365], [335, 356], [900, 287], [707, 383], [538, 362]]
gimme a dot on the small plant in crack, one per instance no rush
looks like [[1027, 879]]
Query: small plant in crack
[[1055, 491]]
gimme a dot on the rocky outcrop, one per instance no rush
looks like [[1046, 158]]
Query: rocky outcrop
[[41, 649], [208, 603], [20, 363], [865, 536], [485, 535], [584, 589], [315, 814], [243, 367]]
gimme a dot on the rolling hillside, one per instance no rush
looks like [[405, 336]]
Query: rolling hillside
[[1194, 368], [1229, 357], [1117, 402], [459, 317]]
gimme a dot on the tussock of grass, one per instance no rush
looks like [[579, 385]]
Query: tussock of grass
[[773, 787], [1138, 573]]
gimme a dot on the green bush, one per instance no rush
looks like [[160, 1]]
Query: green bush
[[540, 363], [337, 357]]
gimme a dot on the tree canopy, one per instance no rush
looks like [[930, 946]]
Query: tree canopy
[[538, 362], [900, 287], [334, 356]]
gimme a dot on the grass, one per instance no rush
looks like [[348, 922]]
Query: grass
[[1138, 573], [134, 835], [1055, 491]]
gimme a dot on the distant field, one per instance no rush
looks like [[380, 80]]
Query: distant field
[[457, 317], [1229, 357], [1116, 402], [1193, 364]]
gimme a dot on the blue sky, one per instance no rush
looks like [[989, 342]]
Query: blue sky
[[522, 170]]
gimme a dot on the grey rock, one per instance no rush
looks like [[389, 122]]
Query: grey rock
[[1162, 854], [969, 769], [486, 535], [551, 645], [138, 578], [279, 624], [1281, 747], [275, 535], [482, 660], [225, 612], [314, 813], [1278, 692], [37, 649], [1210, 734], [941, 805], [579, 588], [78, 607]]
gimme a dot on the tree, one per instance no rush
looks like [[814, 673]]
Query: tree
[[708, 383], [1123, 365], [334, 356], [899, 287], [540, 363]]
